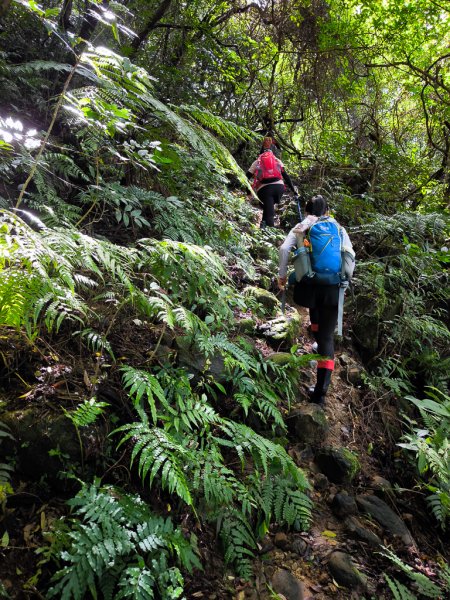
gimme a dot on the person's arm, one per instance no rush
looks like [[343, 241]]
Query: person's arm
[[284, 252], [288, 181], [252, 169], [346, 242]]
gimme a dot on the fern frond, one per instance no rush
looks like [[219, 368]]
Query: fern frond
[[425, 586], [159, 453], [130, 87], [224, 128], [399, 591], [239, 542], [86, 414], [264, 452], [193, 414], [144, 385], [112, 539], [95, 341]]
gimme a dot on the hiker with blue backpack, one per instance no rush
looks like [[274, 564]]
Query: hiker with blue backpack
[[269, 177], [324, 264]]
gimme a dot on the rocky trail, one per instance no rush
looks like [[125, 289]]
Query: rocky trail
[[347, 448], [357, 510]]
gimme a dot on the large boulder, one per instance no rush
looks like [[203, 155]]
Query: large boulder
[[368, 324], [196, 362], [339, 464], [284, 583], [246, 325], [344, 571], [308, 424], [386, 517], [46, 443], [343, 505], [354, 526]]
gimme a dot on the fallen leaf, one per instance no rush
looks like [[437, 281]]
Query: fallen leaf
[[5, 540], [329, 534]]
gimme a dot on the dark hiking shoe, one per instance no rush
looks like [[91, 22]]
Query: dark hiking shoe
[[316, 398]]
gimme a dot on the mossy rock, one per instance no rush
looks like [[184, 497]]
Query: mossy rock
[[46, 443], [284, 328], [265, 282], [344, 571], [264, 297], [308, 424], [280, 358], [247, 325], [340, 465], [196, 362]]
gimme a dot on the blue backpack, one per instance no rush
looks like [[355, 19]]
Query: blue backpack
[[325, 247]]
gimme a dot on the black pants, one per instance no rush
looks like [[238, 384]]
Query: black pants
[[323, 323], [322, 301], [268, 196]]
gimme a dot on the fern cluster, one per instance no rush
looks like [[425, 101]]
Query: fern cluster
[[183, 443], [420, 583], [429, 441], [115, 545]]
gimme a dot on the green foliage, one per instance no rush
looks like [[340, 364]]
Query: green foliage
[[114, 545], [37, 280], [114, 111], [401, 291], [373, 136], [239, 542], [283, 499], [193, 275], [6, 469], [94, 340], [224, 128], [432, 450]]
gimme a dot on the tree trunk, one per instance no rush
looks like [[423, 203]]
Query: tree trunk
[[4, 7], [142, 36], [64, 15]]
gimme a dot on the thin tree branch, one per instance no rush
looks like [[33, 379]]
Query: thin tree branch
[[47, 135]]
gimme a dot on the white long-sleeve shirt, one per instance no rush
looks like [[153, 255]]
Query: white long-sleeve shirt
[[295, 239]]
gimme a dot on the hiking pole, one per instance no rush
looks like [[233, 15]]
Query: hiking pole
[[299, 209], [283, 300]]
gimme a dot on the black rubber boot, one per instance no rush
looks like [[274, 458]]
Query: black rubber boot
[[318, 393]]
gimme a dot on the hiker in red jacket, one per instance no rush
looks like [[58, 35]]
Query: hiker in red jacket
[[269, 179]]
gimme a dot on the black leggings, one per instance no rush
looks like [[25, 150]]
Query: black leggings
[[323, 323], [268, 196]]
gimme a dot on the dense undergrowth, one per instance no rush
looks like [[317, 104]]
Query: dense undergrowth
[[127, 254]]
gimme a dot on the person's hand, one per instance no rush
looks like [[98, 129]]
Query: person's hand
[[295, 190], [282, 283]]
